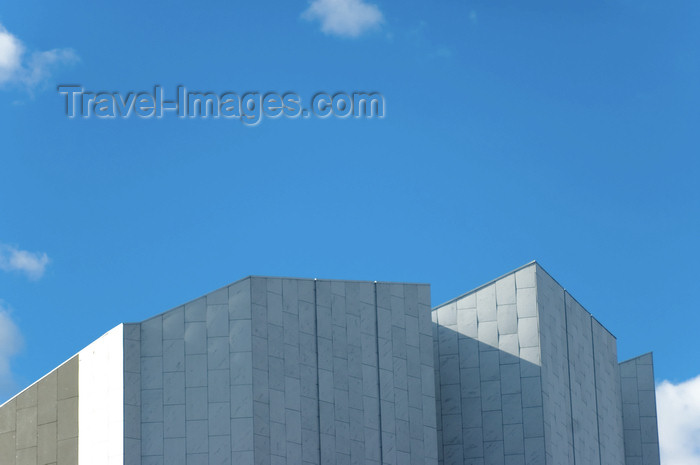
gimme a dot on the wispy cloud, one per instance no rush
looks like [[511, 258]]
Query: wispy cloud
[[32, 264], [679, 422], [10, 344], [30, 70], [419, 37], [344, 18]]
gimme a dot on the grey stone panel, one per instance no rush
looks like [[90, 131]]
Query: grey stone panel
[[67, 452], [387, 392], [583, 390], [261, 380], [428, 374], [599, 428], [556, 391], [308, 371], [8, 432], [188, 382], [609, 396], [151, 388], [47, 395], [438, 384], [132, 393], [40, 425], [339, 378], [579, 359], [641, 436]]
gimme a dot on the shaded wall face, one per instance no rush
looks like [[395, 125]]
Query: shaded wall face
[[526, 375], [581, 390], [608, 397], [488, 358], [639, 411], [582, 383], [555, 371], [40, 425]]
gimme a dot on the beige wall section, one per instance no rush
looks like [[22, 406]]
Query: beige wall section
[[40, 425]]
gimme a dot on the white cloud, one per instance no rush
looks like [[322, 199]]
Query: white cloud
[[11, 51], [679, 422], [32, 264], [40, 64], [345, 18], [10, 344], [28, 70]]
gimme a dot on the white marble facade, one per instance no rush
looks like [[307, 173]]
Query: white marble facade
[[283, 371]]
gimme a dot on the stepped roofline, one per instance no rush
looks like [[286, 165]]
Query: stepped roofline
[[520, 268]]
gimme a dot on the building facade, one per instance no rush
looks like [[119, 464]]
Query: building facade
[[273, 371]]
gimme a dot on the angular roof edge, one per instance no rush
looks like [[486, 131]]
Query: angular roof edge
[[336, 280], [187, 302], [271, 277], [540, 267], [57, 367], [461, 296], [650, 353]]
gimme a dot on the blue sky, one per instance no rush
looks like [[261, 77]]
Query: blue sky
[[564, 132]]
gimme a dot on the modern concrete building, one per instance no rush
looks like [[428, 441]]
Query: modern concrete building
[[272, 371]]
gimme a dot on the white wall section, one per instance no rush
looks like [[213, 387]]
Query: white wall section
[[101, 401]]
